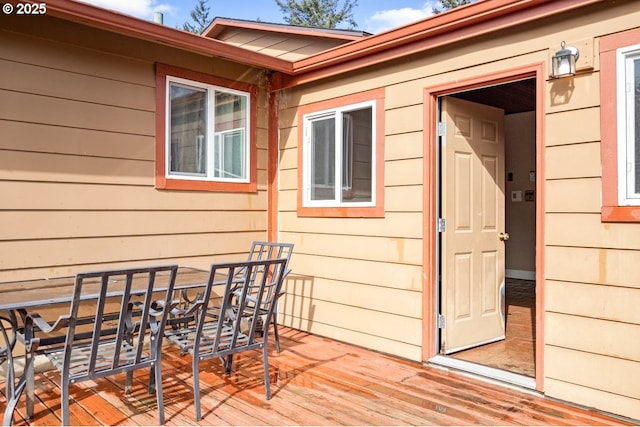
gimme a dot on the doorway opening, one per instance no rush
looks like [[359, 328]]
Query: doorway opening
[[486, 250]]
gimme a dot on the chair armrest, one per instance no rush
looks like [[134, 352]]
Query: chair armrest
[[34, 319]]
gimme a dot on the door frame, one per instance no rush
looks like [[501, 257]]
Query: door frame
[[430, 292]]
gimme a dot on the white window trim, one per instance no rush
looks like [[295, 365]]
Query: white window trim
[[306, 161], [625, 125], [210, 133]]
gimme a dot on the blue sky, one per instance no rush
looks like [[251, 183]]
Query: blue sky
[[373, 16]]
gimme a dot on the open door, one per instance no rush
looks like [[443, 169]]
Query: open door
[[473, 207]]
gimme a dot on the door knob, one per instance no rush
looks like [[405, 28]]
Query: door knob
[[503, 236]]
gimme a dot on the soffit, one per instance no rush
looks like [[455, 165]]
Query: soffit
[[513, 97]]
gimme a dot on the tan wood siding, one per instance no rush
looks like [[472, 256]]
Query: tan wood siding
[[593, 398], [594, 336], [561, 131], [368, 329], [560, 195], [370, 248], [43, 138], [352, 294], [615, 303], [77, 159], [117, 223], [573, 161], [586, 230], [36, 80], [58, 55], [50, 167], [593, 265], [393, 225], [26, 107], [17, 196], [608, 376]]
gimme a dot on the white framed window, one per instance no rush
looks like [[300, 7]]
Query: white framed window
[[339, 157], [628, 124], [207, 132]]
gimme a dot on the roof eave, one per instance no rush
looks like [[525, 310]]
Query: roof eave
[[123, 24], [456, 25], [220, 24]]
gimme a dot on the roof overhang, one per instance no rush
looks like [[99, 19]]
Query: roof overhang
[[459, 24], [220, 24], [146, 30]]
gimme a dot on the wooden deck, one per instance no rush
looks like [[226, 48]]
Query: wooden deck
[[315, 381]]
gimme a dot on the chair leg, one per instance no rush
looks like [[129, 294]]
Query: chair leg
[[128, 382], [152, 379], [227, 362], [64, 397], [29, 375], [265, 363], [196, 388], [158, 390]]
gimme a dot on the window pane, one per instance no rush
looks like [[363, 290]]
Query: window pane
[[636, 124], [230, 134], [188, 129], [229, 158], [357, 162], [323, 152]]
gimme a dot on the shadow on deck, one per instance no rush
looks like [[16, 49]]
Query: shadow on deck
[[315, 381]]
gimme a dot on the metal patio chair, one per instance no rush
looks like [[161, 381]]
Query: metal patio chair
[[270, 250], [115, 325], [238, 293]]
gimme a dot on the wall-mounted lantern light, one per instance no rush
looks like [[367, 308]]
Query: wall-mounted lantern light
[[564, 61]]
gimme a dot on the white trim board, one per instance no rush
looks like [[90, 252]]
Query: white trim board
[[485, 372]]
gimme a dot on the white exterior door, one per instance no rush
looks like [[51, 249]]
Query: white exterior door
[[473, 203]]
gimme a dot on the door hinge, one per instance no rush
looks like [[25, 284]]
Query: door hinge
[[441, 225], [440, 321], [441, 128]]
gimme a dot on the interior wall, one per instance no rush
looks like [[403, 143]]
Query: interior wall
[[520, 194]]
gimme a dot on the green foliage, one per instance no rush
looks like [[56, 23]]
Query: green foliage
[[318, 13], [449, 4], [200, 18]]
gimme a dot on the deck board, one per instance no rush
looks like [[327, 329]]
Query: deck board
[[315, 381]]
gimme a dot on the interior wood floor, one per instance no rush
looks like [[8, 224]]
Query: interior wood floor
[[315, 381], [516, 353]]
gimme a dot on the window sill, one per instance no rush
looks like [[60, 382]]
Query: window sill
[[620, 214], [179, 184], [342, 212]]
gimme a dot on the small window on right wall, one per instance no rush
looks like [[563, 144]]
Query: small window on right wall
[[620, 126], [341, 157]]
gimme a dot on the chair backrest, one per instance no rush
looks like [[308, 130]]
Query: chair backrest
[[242, 302], [271, 250], [116, 321]]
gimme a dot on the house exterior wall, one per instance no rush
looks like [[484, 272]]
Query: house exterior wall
[[77, 147], [361, 279]]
